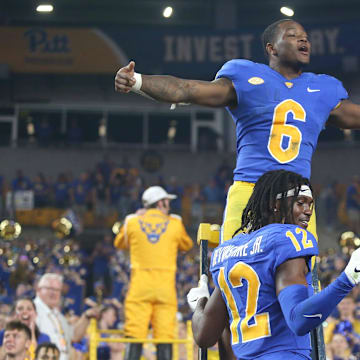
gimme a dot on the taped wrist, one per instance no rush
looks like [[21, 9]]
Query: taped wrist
[[303, 313], [138, 82], [136, 88]]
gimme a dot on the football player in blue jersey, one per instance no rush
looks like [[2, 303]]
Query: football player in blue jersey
[[262, 279], [279, 110]]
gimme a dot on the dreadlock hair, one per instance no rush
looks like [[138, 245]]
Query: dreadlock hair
[[262, 202], [270, 33]]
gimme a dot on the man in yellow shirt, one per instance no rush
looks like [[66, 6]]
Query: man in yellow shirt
[[153, 238]]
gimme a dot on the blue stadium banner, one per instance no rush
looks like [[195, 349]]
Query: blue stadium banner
[[187, 52]]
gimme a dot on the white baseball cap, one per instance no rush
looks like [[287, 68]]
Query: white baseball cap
[[155, 193]]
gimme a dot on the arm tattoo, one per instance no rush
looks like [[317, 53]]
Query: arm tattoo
[[170, 89]]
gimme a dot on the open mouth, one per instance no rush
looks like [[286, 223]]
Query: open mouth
[[25, 320], [304, 223], [304, 50]]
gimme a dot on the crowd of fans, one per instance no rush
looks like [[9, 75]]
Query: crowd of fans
[[98, 275], [342, 327], [110, 188], [116, 188]]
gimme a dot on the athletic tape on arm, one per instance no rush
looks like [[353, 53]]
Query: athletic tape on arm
[[137, 86]]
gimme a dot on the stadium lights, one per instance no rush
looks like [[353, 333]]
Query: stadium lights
[[45, 8], [287, 11], [167, 12]]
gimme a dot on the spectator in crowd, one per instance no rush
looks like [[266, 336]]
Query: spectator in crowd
[[25, 312], [47, 351], [160, 181], [153, 239], [105, 350], [353, 204], [136, 189], [328, 204], [214, 201], [41, 191], [197, 200], [100, 198], [52, 321], [62, 192], [212, 193], [346, 309], [105, 167], [178, 190], [339, 348], [125, 199], [17, 340], [224, 174], [21, 182], [23, 273], [101, 261], [81, 192], [114, 194]]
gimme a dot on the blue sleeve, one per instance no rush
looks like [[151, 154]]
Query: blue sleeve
[[335, 91], [235, 70], [303, 313], [292, 242], [1, 337], [341, 93]]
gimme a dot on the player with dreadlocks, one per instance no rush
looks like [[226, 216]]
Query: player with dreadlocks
[[260, 207], [263, 283]]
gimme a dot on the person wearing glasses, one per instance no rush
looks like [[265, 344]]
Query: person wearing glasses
[[52, 321]]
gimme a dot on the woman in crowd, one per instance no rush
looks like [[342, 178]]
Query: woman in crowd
[[25, 311]]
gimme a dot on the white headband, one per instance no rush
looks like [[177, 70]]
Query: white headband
[[304, 191]]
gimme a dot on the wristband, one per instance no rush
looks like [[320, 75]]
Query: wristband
[[138, 82], [137, 86]]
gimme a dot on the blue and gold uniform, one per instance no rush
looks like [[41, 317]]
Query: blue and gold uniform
[[278, 122], [244, 269], [154, 240]]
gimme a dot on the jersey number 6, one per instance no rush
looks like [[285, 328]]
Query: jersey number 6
[[280, 129], [260, 326]]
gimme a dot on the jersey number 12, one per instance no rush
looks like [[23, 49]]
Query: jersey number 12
[[260, 326]]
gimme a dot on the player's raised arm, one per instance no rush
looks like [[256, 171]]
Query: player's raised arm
[[217, 93], [346, 115]]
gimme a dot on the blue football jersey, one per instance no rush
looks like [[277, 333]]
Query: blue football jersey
[[278, 121], [244, 268]]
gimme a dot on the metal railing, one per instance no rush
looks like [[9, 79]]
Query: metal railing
[[95, 337]]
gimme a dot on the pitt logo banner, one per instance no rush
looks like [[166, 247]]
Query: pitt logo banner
[[59, 50]]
